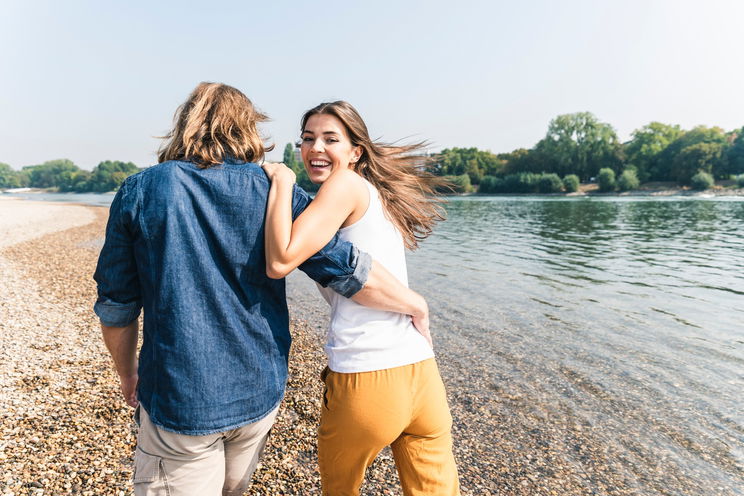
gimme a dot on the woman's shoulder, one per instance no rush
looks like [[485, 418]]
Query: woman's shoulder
[[345, 180]]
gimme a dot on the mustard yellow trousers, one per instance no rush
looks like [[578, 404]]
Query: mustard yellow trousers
[[404, 407]]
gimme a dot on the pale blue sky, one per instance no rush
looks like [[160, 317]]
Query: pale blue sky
[[93, 81]]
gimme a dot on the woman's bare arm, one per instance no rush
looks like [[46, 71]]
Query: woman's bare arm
[[288, 244]]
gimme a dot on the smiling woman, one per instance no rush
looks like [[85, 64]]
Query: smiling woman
[[322, 147], [397, 172], [375, 196]]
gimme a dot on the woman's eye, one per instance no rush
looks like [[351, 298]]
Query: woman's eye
[[332, 140], [307, 139]]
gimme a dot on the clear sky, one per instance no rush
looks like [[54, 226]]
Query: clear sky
[[97, 80]]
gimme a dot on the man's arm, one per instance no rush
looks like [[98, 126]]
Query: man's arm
[[119, 296], [122, 344], [383, 291], [352, 273]]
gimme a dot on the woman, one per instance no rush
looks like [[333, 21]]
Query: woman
[[382, 382]]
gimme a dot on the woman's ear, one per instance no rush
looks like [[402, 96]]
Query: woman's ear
[[356, 155]]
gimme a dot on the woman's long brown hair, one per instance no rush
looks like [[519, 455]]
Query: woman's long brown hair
[[217, 121], [397, 171]]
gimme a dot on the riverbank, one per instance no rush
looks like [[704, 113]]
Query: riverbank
[[662, 189], [65, 429]]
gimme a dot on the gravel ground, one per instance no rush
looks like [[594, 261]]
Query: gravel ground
[[65, 430]]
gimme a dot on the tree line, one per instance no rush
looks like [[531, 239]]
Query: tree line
[[580, 147], [576, 148], [65, 176]]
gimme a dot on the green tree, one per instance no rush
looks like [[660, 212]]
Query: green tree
[[459, 184], [8, 177], [550, 183], [490, 184], [109, 174], [571, 183], [521, 160], [736, 154], [79, 182], [579, 144], [628, 180], [290, 160], [700, 157], [50, 174], [471, 161], [606, 179], [647, 144], [667, 162], [289, 156], [701, 181], [524, 182]]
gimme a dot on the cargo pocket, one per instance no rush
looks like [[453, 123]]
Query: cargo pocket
[[147, 468]]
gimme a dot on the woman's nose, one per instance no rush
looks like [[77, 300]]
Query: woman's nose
[[317, 145]]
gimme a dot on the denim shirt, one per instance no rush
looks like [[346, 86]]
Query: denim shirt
[[187, 244]]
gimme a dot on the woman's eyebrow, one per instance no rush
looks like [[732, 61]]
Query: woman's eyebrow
[[324, 132]]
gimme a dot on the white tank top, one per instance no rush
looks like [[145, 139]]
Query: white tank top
[[362, 339]]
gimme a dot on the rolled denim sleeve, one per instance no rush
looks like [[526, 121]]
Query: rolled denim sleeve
[[119, 294], [339, 265]]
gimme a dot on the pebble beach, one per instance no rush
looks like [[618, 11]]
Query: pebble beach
[[64, 428]]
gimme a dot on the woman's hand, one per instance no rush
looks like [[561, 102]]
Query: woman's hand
[[279, 172]]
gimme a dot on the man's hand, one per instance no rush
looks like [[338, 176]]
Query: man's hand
[[122, 344], [129, 389], [421, 323], [279, 172]]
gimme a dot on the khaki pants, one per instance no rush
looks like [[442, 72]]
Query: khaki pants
[[404, 407], [170, 464]]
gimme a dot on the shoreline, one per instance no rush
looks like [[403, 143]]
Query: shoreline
[[586, 190], [637, 193]]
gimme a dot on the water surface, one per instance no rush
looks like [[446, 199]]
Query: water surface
[[624, 313]]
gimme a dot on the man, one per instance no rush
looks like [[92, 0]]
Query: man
[[185, 242]]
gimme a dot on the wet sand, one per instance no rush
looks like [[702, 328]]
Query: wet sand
[[65, 429]]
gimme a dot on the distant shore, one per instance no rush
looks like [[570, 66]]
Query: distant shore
[[660, 189]]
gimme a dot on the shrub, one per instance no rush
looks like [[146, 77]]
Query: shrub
[[571, 183], [701, 181], [628, 180], [550, 183], [460, 184], [740, 180], [524, 182], [606, 179], [490, 184]]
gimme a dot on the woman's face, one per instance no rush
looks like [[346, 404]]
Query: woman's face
[[326, 147]]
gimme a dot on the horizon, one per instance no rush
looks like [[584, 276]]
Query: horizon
[[484, 75]]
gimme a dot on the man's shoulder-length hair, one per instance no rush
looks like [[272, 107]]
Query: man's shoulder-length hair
[[216, 122]]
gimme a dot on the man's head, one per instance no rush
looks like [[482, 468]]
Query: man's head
[[216, 122]]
